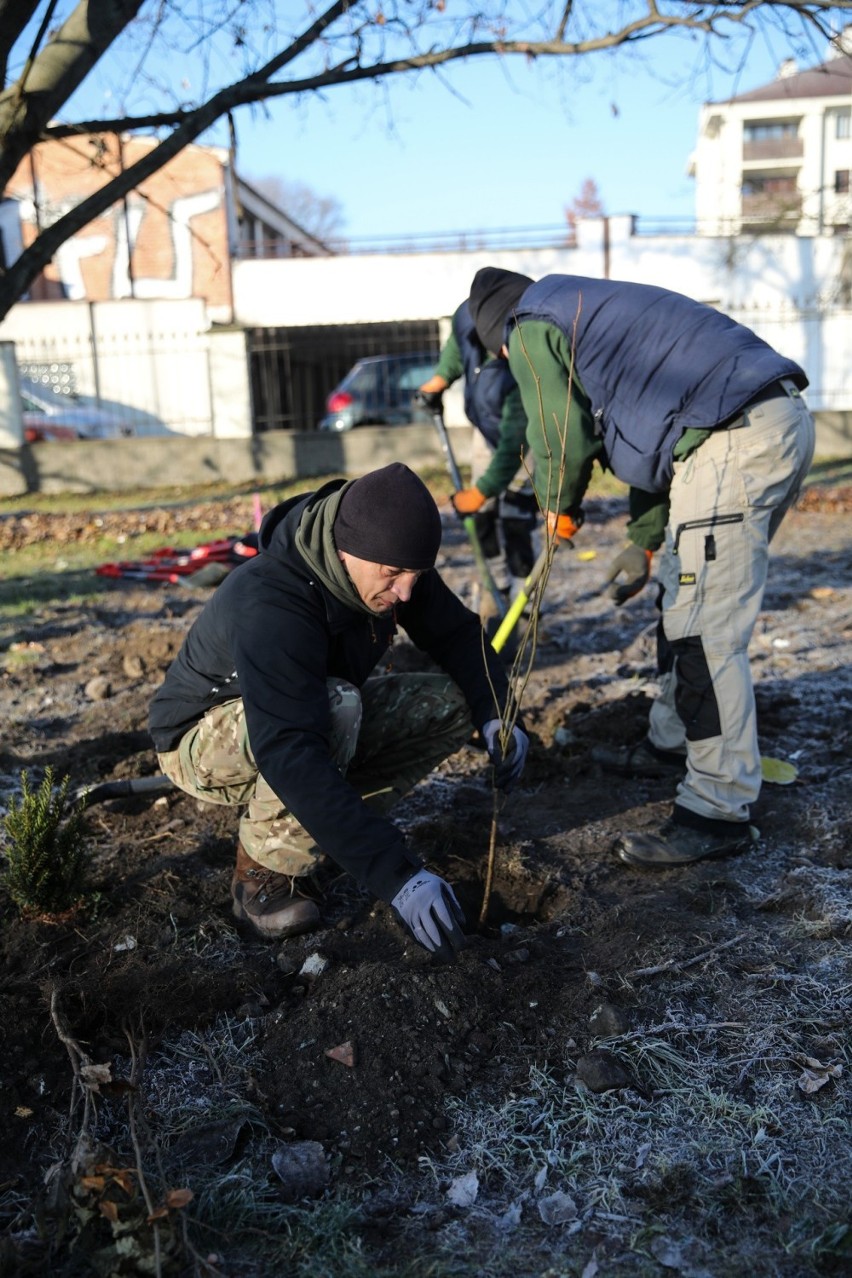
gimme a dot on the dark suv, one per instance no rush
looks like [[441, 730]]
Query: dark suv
[[379, 391]]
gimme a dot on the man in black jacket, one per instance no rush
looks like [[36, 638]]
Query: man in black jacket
[[270, 703]]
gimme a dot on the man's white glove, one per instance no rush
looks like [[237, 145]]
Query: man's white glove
[[427, 906], [509, 766]]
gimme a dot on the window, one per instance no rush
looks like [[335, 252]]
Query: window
[[841, 182], [764, 130], [755, 184], [842, 123]]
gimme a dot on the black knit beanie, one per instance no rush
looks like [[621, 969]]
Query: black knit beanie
[[494, 294], [389, 517]]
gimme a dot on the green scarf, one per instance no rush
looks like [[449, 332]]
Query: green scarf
[[315, 543]]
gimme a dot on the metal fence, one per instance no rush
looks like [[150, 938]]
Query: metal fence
[[293, 370], [151, 375]]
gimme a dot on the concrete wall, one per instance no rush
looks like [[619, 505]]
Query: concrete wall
[[116, 465], [11, 420]]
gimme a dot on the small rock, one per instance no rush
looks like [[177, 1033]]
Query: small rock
[[602, 1072], [607, 1021], [98, 689], [133, 665], [302, 1169]]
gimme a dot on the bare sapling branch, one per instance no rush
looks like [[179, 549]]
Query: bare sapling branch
[[523, 660]]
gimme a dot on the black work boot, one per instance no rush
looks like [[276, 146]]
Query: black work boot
[[643, 759], [684, 839], [266, 901]]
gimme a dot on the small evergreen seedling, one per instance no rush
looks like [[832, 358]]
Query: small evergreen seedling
[[46, 850]]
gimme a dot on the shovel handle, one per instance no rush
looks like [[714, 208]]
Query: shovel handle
[[469, 525], [519, 603]]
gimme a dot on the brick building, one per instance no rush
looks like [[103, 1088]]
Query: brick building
[[175, 236]]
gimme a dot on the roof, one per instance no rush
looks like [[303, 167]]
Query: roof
[[832, 79]]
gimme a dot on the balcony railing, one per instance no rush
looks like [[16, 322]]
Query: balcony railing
[[783, 211], [784, 148]]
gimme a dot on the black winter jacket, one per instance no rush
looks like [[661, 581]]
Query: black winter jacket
[[272, 634]]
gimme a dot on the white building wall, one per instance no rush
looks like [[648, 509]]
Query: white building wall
[[783, 286], [151, 357]]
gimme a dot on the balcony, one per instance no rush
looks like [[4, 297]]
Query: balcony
[[783, 148], [781, 211]]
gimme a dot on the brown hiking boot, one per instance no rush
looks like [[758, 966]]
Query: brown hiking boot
[[267, 901]]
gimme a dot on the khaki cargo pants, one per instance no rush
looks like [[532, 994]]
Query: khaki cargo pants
[[384, 738], [727, 501]]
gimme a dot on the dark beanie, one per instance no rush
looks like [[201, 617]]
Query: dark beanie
[[494, 294], [389, 517]]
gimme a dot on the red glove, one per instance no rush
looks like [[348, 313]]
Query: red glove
[[561, 527], [467, 501]]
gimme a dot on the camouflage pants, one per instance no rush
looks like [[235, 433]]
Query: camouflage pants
[[384, 738]]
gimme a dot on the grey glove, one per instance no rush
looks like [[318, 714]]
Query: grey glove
[[635, 564], [427, 906], [509, 766]]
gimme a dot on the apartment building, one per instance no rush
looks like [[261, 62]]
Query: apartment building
[[778, 158]]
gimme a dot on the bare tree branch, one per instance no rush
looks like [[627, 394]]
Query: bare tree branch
[[351, 40]]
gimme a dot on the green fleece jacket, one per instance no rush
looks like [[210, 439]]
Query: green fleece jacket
[[513, 425]]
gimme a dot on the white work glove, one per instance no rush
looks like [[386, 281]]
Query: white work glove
[[509, 766], [428, 908]]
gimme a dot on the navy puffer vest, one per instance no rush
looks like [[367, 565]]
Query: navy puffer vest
[[653, 364], [487, 382]]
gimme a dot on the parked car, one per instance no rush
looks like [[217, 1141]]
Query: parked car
[[57, 415], [379, 391]]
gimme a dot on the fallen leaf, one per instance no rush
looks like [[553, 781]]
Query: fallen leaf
[[463, 1190], [777, 771], [94, 1075], [176, 1198], [345, 1053], [557, 1208], [815, 1075]]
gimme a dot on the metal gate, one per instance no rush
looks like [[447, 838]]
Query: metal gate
[[293, 370]]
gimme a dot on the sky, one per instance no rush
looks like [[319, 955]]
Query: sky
[[495, 143]]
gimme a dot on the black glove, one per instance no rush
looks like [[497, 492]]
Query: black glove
[[428, 908], [635, 563], [433, 400], [509, 766]]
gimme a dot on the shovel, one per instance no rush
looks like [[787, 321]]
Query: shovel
[[468, 521]]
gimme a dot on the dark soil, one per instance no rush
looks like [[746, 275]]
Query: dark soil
[[155, 951]]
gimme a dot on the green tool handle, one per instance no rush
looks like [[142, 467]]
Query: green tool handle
[[519, 603]]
